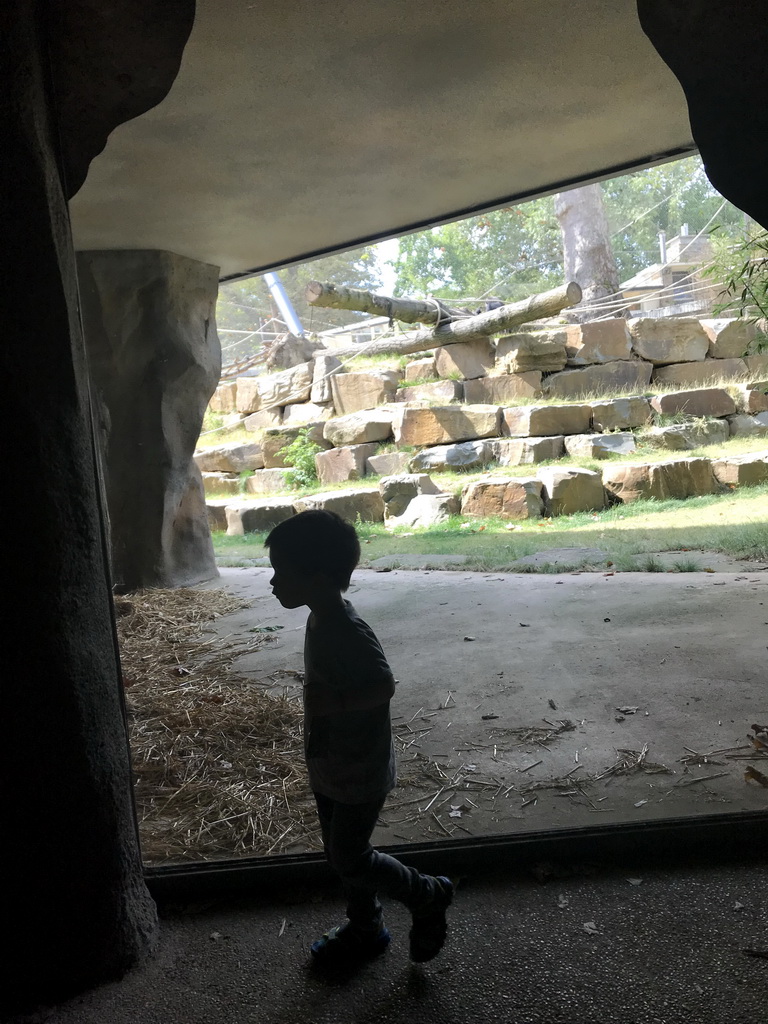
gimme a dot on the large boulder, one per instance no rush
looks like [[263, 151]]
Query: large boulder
[[742, 470], [224, 398], [509, 498], [275, 441], [353, 392], [367, 504], [620, 413], [221, 483], [323, 368], [259, 516], [749, 426], [707, 371], [571, 490], [306, 412], [618, 375], [340, 464], [443, 424], [699, 402], [284, 388], [441, 391], [601, 341], [427, 510], [465, 360], [751, 400], [387, 463], [421, 369], [267, 481], [440, 458], [247, 397], [674, 478], [686, 436], [729, 338], [502, 389], [599, 446], [664, 340], [546, 420], [217, 515], [264, 419], [229, 458], [154, 361], [757, 366], [522, 451], [519, 353], [359, 427], [398, 491]]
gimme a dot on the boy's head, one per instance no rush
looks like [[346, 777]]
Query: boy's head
[[311, 552]]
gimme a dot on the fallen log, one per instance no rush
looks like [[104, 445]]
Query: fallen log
[[472, 328], [409, 311]]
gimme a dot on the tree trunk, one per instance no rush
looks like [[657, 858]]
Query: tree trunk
[[587, 251], [472, 328], [410, 311]]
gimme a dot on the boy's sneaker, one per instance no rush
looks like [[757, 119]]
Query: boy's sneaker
[[342, 945], [429, 927]]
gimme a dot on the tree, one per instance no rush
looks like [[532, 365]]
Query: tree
[[587, 253], [247, 305]]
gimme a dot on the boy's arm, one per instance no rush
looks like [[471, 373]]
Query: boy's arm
[[327, 700]]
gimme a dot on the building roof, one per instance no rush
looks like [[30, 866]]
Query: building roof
[[295, 129]]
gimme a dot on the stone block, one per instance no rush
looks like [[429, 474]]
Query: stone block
[[217, 518], [359, 427], [285, 388], [368, 504], [743, 425], [427, 510], [674, 478], [398, 491], [443, 424], [523, 451], [599, 446], [440, 458], [546, 420], [519, 353], [234, 521], [224, 398], [757, 366], [229, 458], [665, 340], [509, 498], [263, 516], [306, 412], [340, 464], [354, 392], [247, 395], [571, 490], [729, 338], [323, 368], [601, 341], [442, 391], [686, 436], [267, 481], [275, 440], [465, 359], [221, 483], [503, 389], [421, 369], [387, 463], [620, 413], [264, 419], [619, 375], [707, 371], [751, 399], [742, 470], [698, 402]]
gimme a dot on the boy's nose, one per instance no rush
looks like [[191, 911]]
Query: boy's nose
[[272, 582]]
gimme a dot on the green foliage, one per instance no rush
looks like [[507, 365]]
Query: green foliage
[[300, 456], [742, 267], [242, 483]]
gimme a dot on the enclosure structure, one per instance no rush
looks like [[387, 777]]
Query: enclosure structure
[[73, 71]]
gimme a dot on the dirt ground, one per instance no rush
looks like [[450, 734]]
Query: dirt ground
[[516, 691]]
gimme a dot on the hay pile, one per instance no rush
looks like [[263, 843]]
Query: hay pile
[[218, 762]]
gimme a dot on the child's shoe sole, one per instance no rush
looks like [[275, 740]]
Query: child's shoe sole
[[340, 946], [429, 929]]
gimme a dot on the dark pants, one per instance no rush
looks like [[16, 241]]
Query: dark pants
[[364, 872]]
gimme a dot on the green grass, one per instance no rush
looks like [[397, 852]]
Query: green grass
[[735, 524]]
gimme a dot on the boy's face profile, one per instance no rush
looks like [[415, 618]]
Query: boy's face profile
[[291, 587]]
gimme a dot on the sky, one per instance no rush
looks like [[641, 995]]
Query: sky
[[387, 251]]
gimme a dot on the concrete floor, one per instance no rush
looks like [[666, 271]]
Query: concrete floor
[[687, 650], [666, 951]]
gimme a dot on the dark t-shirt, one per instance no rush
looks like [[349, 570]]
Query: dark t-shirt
[[350, 757]]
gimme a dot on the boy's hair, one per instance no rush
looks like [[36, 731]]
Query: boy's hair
[[318, 541]]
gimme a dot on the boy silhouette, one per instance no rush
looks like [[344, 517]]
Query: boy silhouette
[[348, 747]]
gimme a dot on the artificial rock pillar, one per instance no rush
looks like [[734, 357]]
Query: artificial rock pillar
[[155, 360]]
